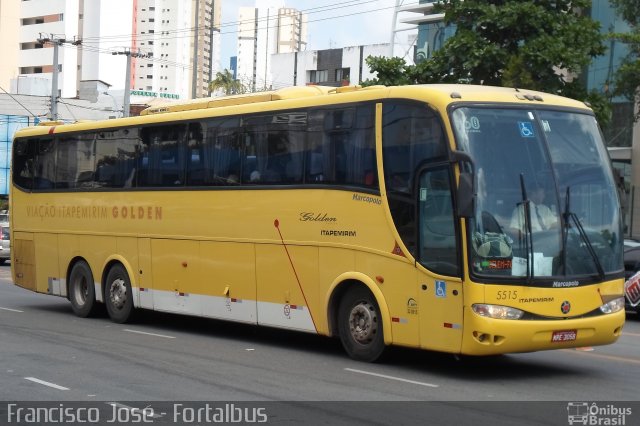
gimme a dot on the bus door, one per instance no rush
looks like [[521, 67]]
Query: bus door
[[440, 303]]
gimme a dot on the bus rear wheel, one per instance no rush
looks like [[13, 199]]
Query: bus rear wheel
[[118, 296], [360, 325], [82, 292]]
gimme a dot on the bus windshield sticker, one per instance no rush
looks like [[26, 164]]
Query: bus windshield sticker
[[546, 126], [441, 289], [472, 125], [526, 129]]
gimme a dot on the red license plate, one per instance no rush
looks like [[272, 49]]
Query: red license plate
[[564, 336], [632, 291]]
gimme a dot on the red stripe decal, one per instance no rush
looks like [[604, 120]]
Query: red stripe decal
[[448, 325], [276, 223], [52, 129], [394, 319]]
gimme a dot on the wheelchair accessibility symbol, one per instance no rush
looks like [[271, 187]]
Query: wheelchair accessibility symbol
[[441, 289], [526, 129]]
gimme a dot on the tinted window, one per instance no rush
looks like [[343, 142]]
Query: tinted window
[[221, 151], [45, 174], [411, 136], [75, 161], [162, 156], [274, 146], [23, 164], [115, 158], [438, 247], [341, 147]]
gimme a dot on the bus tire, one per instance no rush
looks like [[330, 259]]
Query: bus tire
[[360, 325], [82, 290], [118, 296]]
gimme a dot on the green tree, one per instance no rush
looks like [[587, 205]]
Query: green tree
[[224, 80], [627, 78], [531, 44]]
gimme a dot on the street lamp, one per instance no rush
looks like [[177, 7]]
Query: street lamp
[[115, 103]]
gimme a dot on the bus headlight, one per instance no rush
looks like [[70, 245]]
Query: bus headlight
[[613, 306], [497, 311]]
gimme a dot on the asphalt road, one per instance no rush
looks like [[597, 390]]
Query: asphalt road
[[48, 354]]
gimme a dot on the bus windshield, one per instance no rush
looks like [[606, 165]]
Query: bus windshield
[[546, 202]]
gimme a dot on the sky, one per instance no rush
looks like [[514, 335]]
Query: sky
[[331, 23]]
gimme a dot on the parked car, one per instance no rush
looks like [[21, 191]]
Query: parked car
[[631, 264], [5, 243]]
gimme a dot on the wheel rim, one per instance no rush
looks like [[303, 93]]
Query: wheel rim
[[118, 293], [363, 323], [81, 291]]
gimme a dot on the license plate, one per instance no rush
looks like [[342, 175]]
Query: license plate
[[632, 290], [564, 336]]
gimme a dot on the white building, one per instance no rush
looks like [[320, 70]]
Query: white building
[[105, 29], [175, 58], [263, 32], [331, 67], [55, 20], [9, 33]]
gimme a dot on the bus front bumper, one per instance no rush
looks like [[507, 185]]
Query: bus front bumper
[[488, 336]]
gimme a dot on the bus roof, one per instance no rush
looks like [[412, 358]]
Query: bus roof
[[438, 95]]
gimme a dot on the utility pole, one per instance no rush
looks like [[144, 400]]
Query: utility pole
[[127, 84], [57, 42]]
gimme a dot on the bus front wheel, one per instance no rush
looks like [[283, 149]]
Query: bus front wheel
[[360, 325], [118, 295], [82, 291]]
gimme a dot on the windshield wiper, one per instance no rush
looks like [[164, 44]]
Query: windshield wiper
[[528, 238], [568, 214]]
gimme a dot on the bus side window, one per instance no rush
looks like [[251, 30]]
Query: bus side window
[[45, 164], [195, 154], [75, 161], [347, 147], [23, 162], [221, 152], [411, 136], [163, 153]]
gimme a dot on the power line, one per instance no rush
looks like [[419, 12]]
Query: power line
[[154, 37], [18, 102], [187, 66], [309, 11]]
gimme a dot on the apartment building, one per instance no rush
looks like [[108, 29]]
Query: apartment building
[[55, 20], [180, 42], [263, 32]]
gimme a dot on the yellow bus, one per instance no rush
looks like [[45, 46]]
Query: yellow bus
[[382, 215]]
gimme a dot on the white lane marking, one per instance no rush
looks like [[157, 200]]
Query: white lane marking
[[42, 382], [11, 310], [148, 334], [384, 376]]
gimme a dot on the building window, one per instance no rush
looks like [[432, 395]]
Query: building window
[[318, 76], [343, 75]]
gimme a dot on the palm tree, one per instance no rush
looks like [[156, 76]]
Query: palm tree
[[224, 80]]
